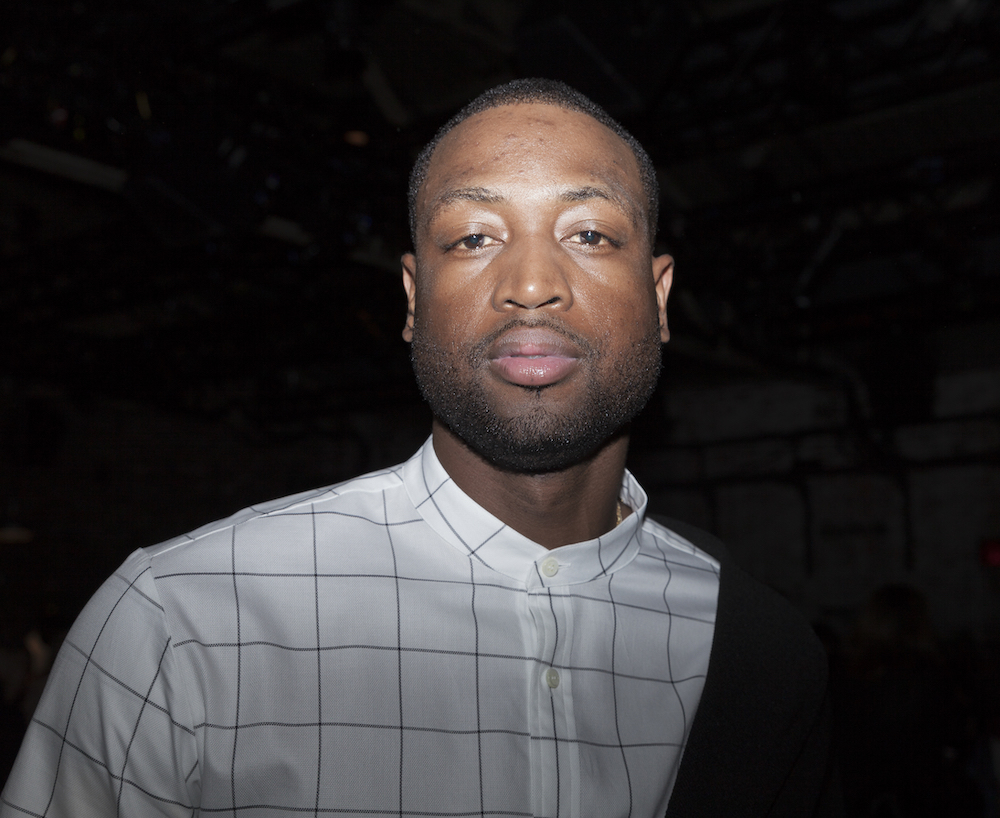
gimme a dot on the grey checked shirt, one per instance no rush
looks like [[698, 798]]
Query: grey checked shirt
[[380, 647]]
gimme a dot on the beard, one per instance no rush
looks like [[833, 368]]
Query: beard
[[538, 437]]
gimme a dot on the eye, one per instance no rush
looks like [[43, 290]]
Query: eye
[[592, 238], [474, 241]]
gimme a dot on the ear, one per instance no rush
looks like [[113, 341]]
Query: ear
[[663, 276], [409, 263]]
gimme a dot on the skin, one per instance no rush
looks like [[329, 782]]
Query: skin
[[536, 213]]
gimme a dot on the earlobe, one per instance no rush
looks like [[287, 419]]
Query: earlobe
[[663, 276], [409, 264]]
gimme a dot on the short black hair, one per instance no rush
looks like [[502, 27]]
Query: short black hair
[[549, 92]]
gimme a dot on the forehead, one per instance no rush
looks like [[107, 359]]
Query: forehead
[[546, 141]]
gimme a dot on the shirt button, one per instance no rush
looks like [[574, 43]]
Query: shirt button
[[550, 567], [552, 677]]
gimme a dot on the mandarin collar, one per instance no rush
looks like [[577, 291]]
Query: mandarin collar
[[476, 534]]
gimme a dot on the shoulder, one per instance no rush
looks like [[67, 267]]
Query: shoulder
[[765, 656], [683, 538], [259, 527], [697, 537], [749, 610], [255, 558]]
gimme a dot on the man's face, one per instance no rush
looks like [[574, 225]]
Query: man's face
[[536, 312]]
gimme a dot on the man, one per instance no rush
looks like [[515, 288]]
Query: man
[[494, 627]]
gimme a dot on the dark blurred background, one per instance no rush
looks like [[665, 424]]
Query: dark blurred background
[[202, 210]]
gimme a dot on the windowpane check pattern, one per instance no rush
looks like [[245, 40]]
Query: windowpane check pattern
[[383, 647]]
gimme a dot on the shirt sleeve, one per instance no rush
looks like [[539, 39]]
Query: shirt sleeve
[[113, 733]]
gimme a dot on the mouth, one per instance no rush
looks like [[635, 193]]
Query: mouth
[[533, 357]]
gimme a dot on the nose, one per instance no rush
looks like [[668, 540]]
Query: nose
[[532, 275]]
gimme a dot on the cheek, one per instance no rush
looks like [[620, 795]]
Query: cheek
[[453, 307], [445, 319], [625, 313]]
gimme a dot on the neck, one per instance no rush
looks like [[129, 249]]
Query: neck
[[553, 508]]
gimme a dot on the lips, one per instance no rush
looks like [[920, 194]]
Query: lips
[[533, 356]]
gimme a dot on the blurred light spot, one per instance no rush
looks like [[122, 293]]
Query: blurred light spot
[[356, 138], [13, 534], [142, 103]]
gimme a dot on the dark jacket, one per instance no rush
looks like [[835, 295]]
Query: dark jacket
[[761, 742]]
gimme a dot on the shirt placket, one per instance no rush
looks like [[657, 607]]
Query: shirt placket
[[555, 784]]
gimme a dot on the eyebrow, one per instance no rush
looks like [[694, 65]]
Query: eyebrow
[[482, 195], [624, 203], [469, 194]]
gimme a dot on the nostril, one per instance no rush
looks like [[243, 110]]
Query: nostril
[[533, 306]]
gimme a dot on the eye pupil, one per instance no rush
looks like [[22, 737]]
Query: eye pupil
[[590, 236], [473, 241]]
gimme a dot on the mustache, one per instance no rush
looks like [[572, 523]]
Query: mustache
[[477, 353]]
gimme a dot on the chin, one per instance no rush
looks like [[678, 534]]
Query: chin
[[534, 454]]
